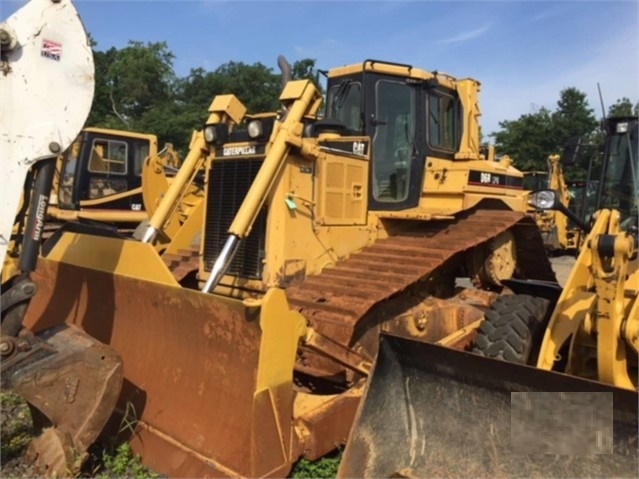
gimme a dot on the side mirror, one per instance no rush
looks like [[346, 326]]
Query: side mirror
[[570, 154]]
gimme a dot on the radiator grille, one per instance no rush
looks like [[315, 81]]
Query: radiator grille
[[229, 181]]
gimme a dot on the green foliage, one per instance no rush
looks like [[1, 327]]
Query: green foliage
[[130, 82], [140, 78], [624, 107], [16, 426], [530, 139], [325, 467], [137, 89], [256, 86], [101, 109], [120, 461], [573, 116]]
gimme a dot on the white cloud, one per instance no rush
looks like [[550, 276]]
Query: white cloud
[[548, 13], [462, 37]]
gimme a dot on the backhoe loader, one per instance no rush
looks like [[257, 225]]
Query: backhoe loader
[[558, 234], [569, 357], [317, 235]]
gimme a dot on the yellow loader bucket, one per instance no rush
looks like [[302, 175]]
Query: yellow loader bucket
[[199, 396], [430, 411]]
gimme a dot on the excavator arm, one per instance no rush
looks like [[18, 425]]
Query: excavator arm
[[46, 90], [70, 380]]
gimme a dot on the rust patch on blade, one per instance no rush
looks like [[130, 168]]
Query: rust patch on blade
[[190, 359]]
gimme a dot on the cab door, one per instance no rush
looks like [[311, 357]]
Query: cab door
[[392, 116]]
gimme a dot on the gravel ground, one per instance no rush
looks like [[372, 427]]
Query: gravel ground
[[562, 265]]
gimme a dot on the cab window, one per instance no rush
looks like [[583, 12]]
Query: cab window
[[344, 104], [443, 121], [140, 153], [108, 156], [621, 179], [393, 140], [65, 189]]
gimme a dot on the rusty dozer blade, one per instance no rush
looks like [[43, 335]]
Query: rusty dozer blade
[[208, 386], [72, 383], [430, 411]]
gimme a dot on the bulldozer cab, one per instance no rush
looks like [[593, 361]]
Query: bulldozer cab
[[103, 169], [409, 115], [390, 110]]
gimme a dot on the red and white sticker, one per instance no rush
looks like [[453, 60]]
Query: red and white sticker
[[51, 49]]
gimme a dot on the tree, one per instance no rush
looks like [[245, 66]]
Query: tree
[[140, 78], [256, 86], [573, 116], [137, 89], [130, 82], [101, 110], [531, 138], [624, 107], [527, 140], [305, 69]]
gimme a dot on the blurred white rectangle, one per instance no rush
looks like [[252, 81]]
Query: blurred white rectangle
[[568, 423]]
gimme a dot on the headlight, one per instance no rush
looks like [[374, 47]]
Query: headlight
[[255, 129], [216, 134], [210, 134], [543, 200], [622, 127]]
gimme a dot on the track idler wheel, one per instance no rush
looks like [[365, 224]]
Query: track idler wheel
[[495, 261]]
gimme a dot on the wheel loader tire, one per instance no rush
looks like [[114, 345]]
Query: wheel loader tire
[[513, 329]]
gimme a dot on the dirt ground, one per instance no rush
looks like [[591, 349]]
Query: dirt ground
[[562, 265]]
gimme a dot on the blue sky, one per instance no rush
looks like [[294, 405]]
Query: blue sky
[[522, 52]]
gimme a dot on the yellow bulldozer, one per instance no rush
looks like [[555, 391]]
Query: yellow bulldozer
[[317, 235], [550, 388]]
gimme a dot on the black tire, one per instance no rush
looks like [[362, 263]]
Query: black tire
[[513, 329]]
